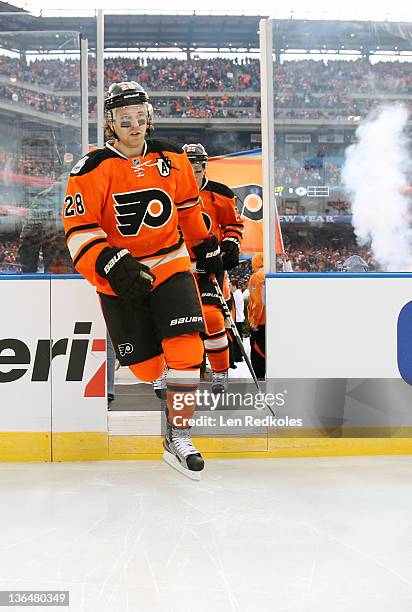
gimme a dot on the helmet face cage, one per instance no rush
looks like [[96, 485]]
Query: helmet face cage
[[196, 153], [128, 93]]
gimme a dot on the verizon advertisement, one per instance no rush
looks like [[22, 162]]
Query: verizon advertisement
[[52, 356]]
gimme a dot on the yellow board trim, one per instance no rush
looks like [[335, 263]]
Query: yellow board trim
[[99, 446], [25, 446], [150, 447], [80, 446], [136, 445], [344, 432]]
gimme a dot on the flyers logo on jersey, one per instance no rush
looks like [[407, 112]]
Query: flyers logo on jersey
[[126, 349], [147, 207]]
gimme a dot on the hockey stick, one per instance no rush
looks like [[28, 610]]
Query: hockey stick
[[228, 316]]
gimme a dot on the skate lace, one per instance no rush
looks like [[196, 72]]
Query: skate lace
[[182, 442]]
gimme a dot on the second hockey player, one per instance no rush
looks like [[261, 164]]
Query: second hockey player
[[222, 218]]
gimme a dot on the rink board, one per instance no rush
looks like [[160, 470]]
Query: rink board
[[326, 328], [54, 343], [336, 325]]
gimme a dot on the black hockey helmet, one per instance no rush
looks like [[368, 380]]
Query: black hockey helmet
[[125, 94], [195, 152]]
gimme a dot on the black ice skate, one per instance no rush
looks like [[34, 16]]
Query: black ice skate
[[180, 453]]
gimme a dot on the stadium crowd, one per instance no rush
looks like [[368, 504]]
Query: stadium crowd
[[286, 106], [214, 74], [287, 173], [304, 89], [323, 257], [307, 77], [52, 74], [213, 107], [67, 107], [320, 255], [295, 172], [9, 259], [13, 162]]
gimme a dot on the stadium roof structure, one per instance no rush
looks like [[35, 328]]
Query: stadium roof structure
[[125, 32], [214, 32], [5, 7], [343, 36]]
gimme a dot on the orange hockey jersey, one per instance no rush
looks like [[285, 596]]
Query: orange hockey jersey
[[219, 211], [135, 203]]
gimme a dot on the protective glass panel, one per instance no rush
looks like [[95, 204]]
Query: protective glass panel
[[40, 136], [342, 101]]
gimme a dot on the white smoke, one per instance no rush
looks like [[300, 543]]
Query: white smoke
[[375, 175]]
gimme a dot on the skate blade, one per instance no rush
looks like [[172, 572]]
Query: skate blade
[[174, 463]]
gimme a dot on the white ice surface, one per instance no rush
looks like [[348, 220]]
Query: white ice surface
[[276, 535]]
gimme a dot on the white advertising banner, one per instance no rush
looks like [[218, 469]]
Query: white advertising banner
[[339, 326], [25, 391], [79, 359], [340, 344]]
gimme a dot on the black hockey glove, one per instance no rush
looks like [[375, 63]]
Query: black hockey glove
[[230, 252], [208, 258], [127, 277]]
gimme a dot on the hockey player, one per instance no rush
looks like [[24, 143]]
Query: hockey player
[[257, 317], [122, 212], [223, 220]]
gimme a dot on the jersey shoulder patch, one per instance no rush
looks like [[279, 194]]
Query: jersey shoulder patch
[[91, 160], [219, 188], [155, 146]]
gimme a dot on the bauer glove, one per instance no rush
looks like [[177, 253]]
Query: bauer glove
[[127, 277], [230, 253], [208, 258]]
